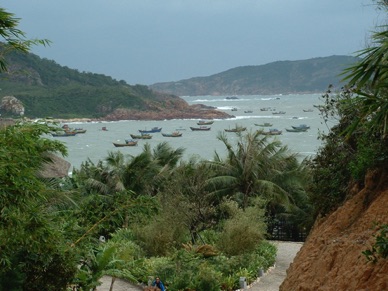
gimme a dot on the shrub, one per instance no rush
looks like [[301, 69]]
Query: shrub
[[380, 248], [242, 232]]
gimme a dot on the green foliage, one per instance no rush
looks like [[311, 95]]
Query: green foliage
[[379, 249], [13, 38], [68, 93], [33, 244], [359, 141], [370, 153], [159, 235], [242, 231], [58, 224], [95, 265]]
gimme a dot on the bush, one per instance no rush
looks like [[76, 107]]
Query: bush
[[243, 232]]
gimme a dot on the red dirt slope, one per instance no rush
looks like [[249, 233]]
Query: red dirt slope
[[331, 258]]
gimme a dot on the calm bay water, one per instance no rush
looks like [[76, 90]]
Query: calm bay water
[[96, 143]]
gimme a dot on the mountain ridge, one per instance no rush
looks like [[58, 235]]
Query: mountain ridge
[[37, 88], [281, 77]]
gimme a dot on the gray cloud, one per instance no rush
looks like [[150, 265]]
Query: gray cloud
[[149, 41]]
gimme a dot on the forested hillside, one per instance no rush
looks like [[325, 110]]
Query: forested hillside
[[46, 89], [282, 77]]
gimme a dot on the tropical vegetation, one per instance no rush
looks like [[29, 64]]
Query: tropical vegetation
[[198, 224]]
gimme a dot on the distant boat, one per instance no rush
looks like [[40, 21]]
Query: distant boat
[[265, 124], [128, 143], [104, 128], [231, 98], [141, 136], [152, 130], [79, 130], [173, 134], [180, 128], [234, 109], [308, 110], [279, 112], [63, 133], [272, 131], [301, 126], [205, 122], [296, 129], [248, 111], [66, 128], [203, 128], [236, 129], [265, 108]]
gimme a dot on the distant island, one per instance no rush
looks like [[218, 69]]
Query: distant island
[[281, 77]]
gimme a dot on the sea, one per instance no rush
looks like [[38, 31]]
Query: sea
[[249, 111]]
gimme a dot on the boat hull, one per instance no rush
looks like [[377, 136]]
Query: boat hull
[[200, 128], [129, 144]]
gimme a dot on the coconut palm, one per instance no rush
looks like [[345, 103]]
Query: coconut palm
[[256, 167], [369, 80]]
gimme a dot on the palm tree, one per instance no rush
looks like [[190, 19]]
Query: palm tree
[[144, 174], [256, 167], [369, 80]]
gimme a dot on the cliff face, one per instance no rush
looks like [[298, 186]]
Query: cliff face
[[331, 258]]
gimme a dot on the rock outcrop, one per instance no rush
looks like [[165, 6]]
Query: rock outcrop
[[332, 258], [187, 112], [10, 104]]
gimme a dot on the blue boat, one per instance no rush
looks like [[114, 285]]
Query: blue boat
[[152, 130]]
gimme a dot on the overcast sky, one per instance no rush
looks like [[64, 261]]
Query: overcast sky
[[150, 41]]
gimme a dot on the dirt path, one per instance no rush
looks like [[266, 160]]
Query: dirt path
[[269, 282]]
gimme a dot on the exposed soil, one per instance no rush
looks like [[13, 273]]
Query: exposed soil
[[331, 258]]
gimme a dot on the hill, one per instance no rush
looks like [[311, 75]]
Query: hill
[[332, 257], [281, 77], [37, 88]]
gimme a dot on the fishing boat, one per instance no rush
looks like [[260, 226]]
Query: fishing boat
[[141, 136], [272, 131], [203, 128], [152, 130], [279, 112], [79, 130], [173, 134], [301, 126], [265, 109], [128, 143], [265, 124], [296, 129], [63, 133], [236, 129], [205, 122]]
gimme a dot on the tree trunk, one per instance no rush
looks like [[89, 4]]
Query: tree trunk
[[111, 284]]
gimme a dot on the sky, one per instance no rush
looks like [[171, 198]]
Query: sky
[[152, 41]]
